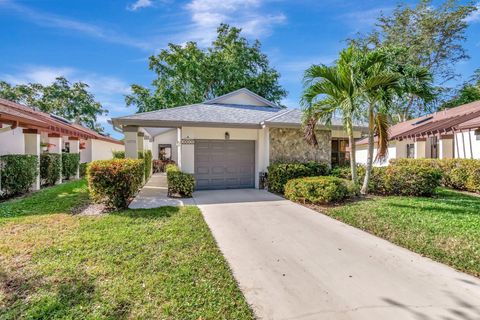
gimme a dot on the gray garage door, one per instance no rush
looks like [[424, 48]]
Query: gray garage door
[[224, 164]]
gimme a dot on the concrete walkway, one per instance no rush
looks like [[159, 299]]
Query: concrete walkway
[[294, 263], [154, 195]]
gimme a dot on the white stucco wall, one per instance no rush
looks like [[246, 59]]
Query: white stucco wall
[[187, 150], [395, 149], [169, 137], [102, 150], [468, 145], [12, 142]]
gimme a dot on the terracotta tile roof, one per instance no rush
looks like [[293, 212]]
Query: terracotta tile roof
[[464, 117], [26, 117]]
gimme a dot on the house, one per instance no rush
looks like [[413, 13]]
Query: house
[[229, 141], [24, 130], [451, 133]]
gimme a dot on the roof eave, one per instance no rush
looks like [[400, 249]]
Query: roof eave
[[178, 124]]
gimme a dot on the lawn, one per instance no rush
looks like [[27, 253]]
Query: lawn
[[157, 264], [445, 228]]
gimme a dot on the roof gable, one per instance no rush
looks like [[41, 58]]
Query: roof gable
[[243, 97]]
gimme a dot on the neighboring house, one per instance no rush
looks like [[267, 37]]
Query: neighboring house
[[21, 127], [229, 141], [452, 133]]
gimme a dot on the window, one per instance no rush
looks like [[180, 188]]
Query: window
[[164, 152], [434, 147], [411, 150], [340, 155]]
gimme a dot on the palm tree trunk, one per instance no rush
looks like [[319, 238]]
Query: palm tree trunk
[[371, 140], [351, 142]]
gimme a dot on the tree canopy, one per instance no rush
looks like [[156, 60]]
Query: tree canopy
[[468, 92], [433, 37], [188, 74], [71, 101]]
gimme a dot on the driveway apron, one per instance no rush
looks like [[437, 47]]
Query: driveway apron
[[294, 263]]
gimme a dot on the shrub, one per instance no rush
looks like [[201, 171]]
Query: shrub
[[280, 173], [115, 182], [148, 164], [319, 189], [18, 173], [179, 183], [70, 163], [83, 169], [404, 180], [159, 165], [345, 172], [462, 174], [50, 168], [118, 154]]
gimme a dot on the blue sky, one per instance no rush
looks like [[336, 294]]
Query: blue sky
[[107, 43]]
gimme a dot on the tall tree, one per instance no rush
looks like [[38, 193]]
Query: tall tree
[[188, 74], [69, 100], [468, 92], [330, 90], [434, 37]]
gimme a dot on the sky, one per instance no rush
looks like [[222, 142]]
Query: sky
[[106, 43]]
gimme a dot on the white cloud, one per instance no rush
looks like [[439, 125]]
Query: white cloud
[[474, 16], [60, 22], [206, 15], [140, 4]]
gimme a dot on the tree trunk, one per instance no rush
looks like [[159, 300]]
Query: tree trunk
[[351, 142], [371, 140]]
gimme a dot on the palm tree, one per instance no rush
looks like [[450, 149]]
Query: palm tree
[[341, 88]]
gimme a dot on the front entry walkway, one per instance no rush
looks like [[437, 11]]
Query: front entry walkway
[[154, 194], [294, 263]]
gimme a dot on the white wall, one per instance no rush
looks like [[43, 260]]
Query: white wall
[[468, 145], [219, 134], [102, 150], [12, 142], [169, 137], [395, 148]]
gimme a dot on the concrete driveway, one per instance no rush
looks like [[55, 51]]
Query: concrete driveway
[[294, 263]]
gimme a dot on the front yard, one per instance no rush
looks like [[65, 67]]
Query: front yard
[[158, 263], [445, 228]]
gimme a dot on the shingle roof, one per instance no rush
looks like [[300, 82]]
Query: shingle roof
[[203, 113], [466, 116], [293, 117]]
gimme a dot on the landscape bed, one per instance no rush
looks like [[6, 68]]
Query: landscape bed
[[445, 228], [157, 263]]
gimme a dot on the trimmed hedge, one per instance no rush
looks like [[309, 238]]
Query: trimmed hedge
[[345, 172], [83, 169], [147, 158], [319, 190], [461, 174], [179, 183], [18, 173], [70, 163], [280, 173], [115, 182], [411, 180], [50, 168]]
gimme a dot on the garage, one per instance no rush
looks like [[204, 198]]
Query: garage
[[224, 164]]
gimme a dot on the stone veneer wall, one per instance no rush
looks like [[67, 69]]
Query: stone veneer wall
[[290, 145]]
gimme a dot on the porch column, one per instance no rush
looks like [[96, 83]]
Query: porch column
[[179, 148], [32, 146], [446, 147], [420, 147], [75, 148], [56, 140], [131, 142], [141, 142]]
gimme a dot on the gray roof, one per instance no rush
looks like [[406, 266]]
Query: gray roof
[[219, 115], [203, 114]]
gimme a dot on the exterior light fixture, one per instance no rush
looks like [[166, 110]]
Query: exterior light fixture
[[227, 135]]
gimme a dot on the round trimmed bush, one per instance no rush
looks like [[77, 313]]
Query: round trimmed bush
[[50, 168], [319, 189], [18, 173], [280, 173]]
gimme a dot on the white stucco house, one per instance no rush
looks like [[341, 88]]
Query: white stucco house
[[452, 133], [229, 141]]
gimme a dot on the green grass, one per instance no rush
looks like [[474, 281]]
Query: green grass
[[142, 264], [445, 228]]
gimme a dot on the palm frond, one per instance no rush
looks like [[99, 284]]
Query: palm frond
[[381, 131]]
